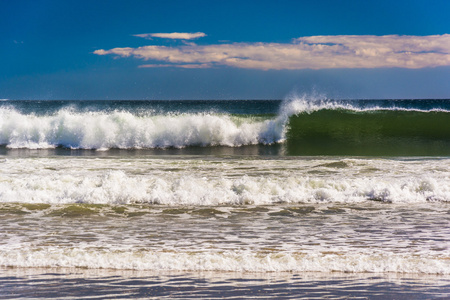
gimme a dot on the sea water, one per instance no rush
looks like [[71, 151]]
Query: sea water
[[302, 197]]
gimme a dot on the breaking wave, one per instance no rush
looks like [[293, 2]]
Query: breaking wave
[[171, 189], [309, 126], [234, 261], [123, 130]]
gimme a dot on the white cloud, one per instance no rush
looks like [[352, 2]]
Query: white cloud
[[185, 66], [314, 52], [173, 35]]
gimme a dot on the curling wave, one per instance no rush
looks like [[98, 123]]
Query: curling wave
[[305, 126]]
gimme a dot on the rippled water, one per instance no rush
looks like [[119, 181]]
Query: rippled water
[[107, 284]]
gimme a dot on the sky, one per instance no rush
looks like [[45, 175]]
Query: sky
[[53, 49]]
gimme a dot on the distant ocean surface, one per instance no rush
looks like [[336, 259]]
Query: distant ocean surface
[[227, 193]]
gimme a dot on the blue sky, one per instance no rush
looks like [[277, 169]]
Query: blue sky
[[224, 49]]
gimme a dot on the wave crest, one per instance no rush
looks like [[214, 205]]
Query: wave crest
[[123, 130]]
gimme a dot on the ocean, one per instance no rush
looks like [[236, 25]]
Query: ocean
[[304, 197]]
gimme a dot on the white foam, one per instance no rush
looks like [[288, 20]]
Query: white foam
[[110, 181], [228, 260], [104, 130]]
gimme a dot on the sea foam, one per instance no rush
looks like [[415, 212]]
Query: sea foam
[[115, 187], [198, 183], [123, 130], [232, 261]]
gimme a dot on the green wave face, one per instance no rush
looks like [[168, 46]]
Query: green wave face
[[369, 133]]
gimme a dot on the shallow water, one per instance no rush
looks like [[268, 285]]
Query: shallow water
[[152, 226], [226, 214], [125, 284]]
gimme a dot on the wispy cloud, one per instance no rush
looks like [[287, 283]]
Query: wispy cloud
[[314, 52], [184, 66], [173, 35]]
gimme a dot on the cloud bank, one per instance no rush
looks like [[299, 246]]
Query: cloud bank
[[173, 35], [313, 52]]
